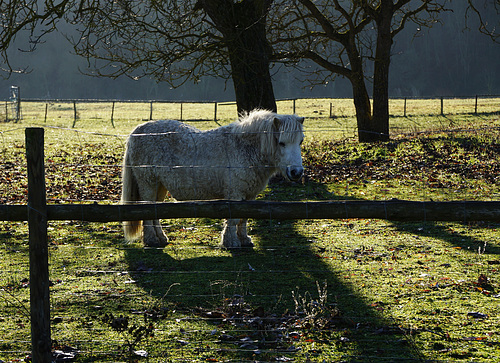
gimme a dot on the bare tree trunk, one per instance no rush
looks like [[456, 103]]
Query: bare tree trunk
[[243, 26], [370, 128], [381, 72], [363, 109], [374, 127], [249, 57], [361, 98]]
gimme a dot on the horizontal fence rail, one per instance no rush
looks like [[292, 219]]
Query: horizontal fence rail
[[395, 210]]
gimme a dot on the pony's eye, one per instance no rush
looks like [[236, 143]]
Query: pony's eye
[[282, 144]]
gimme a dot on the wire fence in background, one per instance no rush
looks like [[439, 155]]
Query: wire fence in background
[[115, 110]]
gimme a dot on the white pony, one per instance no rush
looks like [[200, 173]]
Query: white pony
[[231, 162]]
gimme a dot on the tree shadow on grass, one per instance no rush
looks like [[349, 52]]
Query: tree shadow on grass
[[280, 279], [452, 237], [270, 289], [283, 276], [360, 330]]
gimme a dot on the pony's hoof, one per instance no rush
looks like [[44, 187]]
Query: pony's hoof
[[246, 242], [227, 243], [226, 247], [155, 242], [230, 246]]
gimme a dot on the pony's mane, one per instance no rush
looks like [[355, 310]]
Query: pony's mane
[[261, 122], [255, 121]]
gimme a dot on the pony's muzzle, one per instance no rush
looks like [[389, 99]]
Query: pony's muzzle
[[294, 173]]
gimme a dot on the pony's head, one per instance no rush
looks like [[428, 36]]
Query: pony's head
[[280, 138], [287, 137]]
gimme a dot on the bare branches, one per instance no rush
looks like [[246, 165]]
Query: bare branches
[[169, 40], [176, 40], [16, 16], [486, 17], [328, 33]]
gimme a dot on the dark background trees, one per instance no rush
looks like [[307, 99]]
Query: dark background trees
[[355, 40], [447, 60]]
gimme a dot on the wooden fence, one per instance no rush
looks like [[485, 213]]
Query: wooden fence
[[393, 210], [38, 213]]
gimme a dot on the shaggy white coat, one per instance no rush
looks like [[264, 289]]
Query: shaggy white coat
[[231, 162]]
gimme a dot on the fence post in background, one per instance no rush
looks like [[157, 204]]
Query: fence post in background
[[331, 110], [475, 107], [38, 247], [46, 110], [442, 106], [150, 110], [113, 114], [74, 114], [215, 111], [404, 109], [16, 101], [6, 111], [293, 106], [181, 112]]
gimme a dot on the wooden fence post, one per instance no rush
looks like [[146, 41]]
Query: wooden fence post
[[404, 112], [38, 247], [475, 107], [75, 115], [16, 100], [113, 114], [442, 106]]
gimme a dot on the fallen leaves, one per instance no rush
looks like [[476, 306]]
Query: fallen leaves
[[69, 176], [252, 329], [440, 162]]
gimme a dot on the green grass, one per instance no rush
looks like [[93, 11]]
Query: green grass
[[317, 290]]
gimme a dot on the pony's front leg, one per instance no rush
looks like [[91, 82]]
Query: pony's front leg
[[229, 237], [153, 234], [241, 231]]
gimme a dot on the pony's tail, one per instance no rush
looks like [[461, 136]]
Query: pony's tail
[[130, 193]]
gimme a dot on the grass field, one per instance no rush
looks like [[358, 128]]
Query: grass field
[[311, 290]]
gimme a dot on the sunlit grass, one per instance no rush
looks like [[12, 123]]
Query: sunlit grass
[[394, 291]]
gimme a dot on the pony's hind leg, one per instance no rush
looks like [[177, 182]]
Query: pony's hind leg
[[153, 233]]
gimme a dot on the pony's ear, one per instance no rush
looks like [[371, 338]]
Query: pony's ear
[[276, 130], [301, 120], [276, 124]]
